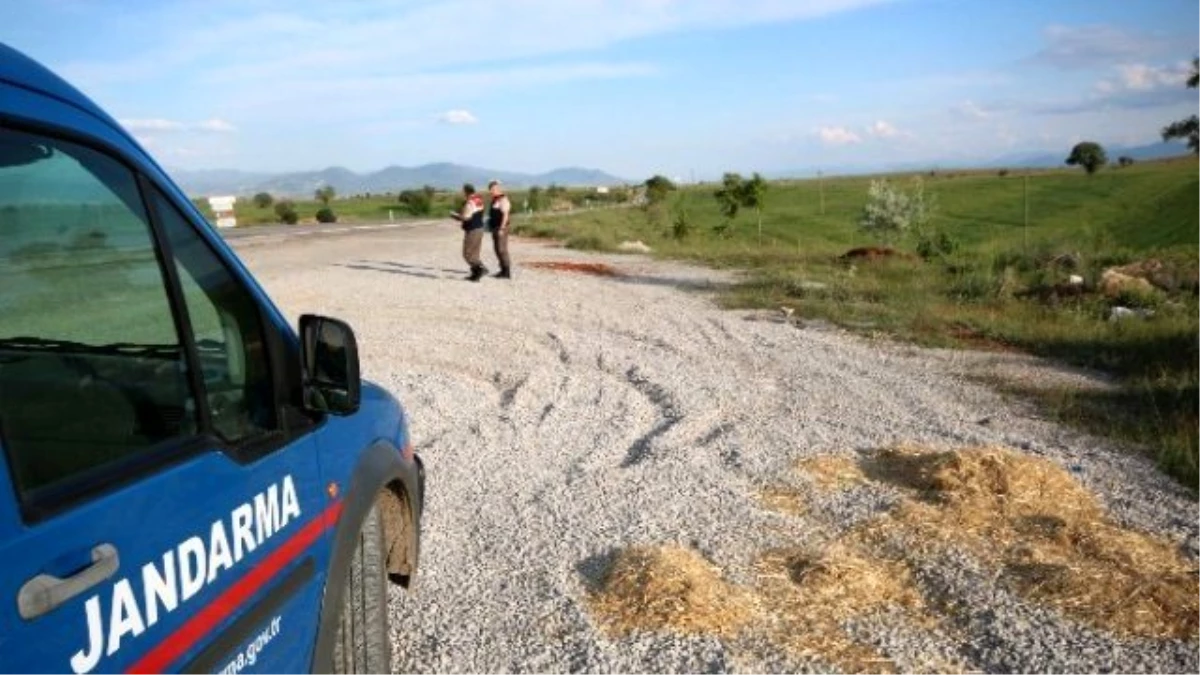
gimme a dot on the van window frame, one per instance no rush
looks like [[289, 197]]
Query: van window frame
[[42, 503]]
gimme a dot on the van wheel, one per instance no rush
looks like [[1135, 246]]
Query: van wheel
[[361, 644]]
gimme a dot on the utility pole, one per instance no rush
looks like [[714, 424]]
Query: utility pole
[[1026, 196], [821, 187]]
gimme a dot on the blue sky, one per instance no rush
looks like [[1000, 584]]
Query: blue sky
[[630, 86]]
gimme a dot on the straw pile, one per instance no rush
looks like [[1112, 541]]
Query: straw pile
[[670, 588], [1046, 534], [831, 471], [808, 595]]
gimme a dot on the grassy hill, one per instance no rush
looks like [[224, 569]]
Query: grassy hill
[[1001, 286]]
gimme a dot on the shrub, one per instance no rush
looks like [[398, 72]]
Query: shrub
[[681, 226], [657, 188], [932, 244], [1124, 161], [416, 202], [890, 210], [263, 199], [285, 210], [1002, 173], [326, 215]]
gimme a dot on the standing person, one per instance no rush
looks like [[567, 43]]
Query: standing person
[[499, 211], [471, 217]]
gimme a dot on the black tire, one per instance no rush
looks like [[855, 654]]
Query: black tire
[[361, 644]]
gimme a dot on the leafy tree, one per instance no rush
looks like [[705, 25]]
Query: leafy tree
[[657, 188], [753, 195], [535, 198], [326, 215], [1124, 160], [1188, 128], [729, 195], [1089, 155], [325, 193], [285, 210], [263, 199]]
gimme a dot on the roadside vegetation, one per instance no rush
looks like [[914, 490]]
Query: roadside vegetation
[[992, 259]]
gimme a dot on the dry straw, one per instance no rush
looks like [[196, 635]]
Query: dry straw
[[670, 588]]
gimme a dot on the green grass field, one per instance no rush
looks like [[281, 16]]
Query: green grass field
[[981, 294]]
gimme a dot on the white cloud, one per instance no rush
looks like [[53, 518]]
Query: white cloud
[[1075, 47], [972, 110], [135, 126], [216, 125], [881, 129], [159, 125], [457, 117], [1141, 77], [838, 136]]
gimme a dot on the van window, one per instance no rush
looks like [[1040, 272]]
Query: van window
[[228, 332], [91, 366]]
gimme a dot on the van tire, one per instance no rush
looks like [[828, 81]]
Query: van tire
[[361, 644]]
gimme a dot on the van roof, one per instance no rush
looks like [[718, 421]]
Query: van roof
[[22, 71]]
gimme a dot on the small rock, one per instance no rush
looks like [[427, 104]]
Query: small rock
[[1075, 280], [985, 421]]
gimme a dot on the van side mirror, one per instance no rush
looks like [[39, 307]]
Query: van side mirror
[[330, 365]]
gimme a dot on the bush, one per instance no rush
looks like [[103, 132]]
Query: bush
[[285, 210], [890, 210], [657, 188], [931, 245], [1124, 161], [682, 226], [417, 202], [1002, 173], [326, 215], [263, 200]]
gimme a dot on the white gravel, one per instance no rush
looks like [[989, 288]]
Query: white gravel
[[563, 416]]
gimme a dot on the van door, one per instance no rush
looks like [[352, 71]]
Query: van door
[[169, 514]]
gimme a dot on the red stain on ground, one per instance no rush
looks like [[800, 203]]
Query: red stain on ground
[[596, 269]]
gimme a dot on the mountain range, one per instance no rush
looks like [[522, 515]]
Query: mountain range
[[444, 175], [1031, 159]]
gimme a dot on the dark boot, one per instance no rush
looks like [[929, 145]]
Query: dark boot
[[477, 272], [504, 273]]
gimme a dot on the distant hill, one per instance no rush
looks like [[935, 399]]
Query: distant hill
[[1052, 160], [391, 179]]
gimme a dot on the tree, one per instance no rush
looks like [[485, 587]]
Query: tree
[[1089, 155], [1124, 160], [729, 195], [285, 210], [1188, 128], [535, 198], [657, 188], [263, 199], [753, 195], [325, 193]]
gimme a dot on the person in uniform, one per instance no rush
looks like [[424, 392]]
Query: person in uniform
[[471, 217], [499, 210]]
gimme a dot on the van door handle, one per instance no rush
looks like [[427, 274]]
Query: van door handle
[[44, 592]]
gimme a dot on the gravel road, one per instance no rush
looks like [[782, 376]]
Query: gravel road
[[564, 416]]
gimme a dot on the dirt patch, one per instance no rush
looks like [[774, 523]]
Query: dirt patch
[[670, 588], [873, 253], [595, 269], [1045, 533], [976, 340]]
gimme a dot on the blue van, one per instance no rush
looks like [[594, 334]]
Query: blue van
[[188, 482]]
